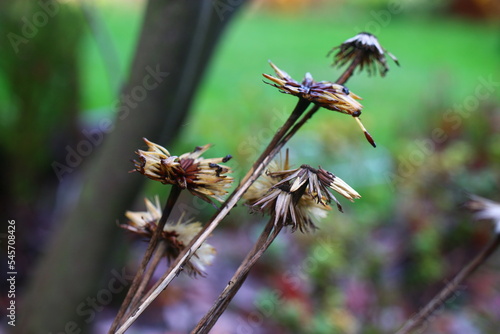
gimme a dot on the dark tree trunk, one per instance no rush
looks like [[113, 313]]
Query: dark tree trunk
[[175, 44]]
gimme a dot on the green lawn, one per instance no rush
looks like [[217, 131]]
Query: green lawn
[[441, 60]]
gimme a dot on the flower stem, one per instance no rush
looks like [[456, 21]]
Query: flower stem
[[155, 260], [341, 80], [239, 277], [436, 302], [139, 276], [278, 141], [300, 123], [350, 70], [258, 167]]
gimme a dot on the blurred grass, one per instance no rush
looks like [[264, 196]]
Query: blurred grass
[[235, 107], [441, 60], [430, 50]]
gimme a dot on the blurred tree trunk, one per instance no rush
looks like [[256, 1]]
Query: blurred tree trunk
[[175, 45]]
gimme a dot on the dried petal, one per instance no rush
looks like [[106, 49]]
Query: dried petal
[[176, 234], [205, 178], [326, 94], [485, 209], [298, 196]]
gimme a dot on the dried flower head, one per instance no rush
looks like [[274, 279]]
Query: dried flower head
[[176, 234], [366, 51], [318, 183], [485, 209], [297, 197], [205, 178], [325, 94], [288, 208]]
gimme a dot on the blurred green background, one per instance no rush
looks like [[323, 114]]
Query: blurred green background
[[394, 247]]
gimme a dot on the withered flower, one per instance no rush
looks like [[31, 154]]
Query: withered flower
[[297, 197], [318, 183], [289, 208], [366, 51], [205, 178], [485, 209], [325, 94], [176, 234]]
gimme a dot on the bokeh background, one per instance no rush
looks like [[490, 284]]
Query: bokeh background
[[436, 121]]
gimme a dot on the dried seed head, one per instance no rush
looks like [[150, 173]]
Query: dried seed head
[[365, 49], [290, 209], [317, 183], [144, 222], [157, 163], [176, 234], [297, 197], [205, 178], [326, 94], [485, 209], [265, 182]]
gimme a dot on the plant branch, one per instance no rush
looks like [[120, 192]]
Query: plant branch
[[239, 277], [155, 260], [265, 158], [436, 302], [139, 276], [278, 141], [284, 134], [350, 70]]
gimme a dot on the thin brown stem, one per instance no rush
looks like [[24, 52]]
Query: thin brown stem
[[299, 124], [155, 260], [139, 276], [350, 70], [239, 277], [437, 302], [265, 158], [284, 134], [342, 80]]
